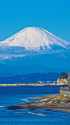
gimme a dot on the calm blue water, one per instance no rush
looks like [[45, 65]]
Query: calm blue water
[[20, 95]]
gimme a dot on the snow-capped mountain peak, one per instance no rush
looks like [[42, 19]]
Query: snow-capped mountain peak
[[35, 38]]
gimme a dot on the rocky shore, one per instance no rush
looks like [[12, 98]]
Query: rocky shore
[[56, 102], [63, 79]]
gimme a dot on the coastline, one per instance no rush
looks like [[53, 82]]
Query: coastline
[[12, 85], [55, 102]]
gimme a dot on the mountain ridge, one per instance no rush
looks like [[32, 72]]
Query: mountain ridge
[[31, 78]]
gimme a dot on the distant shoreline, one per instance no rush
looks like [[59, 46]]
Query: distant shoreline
[[12, 85]]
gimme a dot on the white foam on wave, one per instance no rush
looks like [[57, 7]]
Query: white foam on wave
[[25, 100], [2, 106], [41, 114]]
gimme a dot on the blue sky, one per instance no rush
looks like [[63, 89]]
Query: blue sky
[[52, 15]]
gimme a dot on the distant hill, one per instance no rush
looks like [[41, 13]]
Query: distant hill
[[31, 78], [63, 79]]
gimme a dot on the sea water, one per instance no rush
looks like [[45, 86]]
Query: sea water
[[20, 95]]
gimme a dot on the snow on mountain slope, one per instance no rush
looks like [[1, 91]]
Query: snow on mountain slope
[[32, 38]]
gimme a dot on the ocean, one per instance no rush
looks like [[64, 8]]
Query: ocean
[[19, 95]]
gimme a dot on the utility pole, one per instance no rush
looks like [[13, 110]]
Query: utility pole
[[68, 77], [68, 80]]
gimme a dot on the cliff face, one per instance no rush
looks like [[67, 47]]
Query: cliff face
[[62, 80]]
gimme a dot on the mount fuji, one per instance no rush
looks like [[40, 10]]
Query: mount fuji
[[36, 50], [35, 39]]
